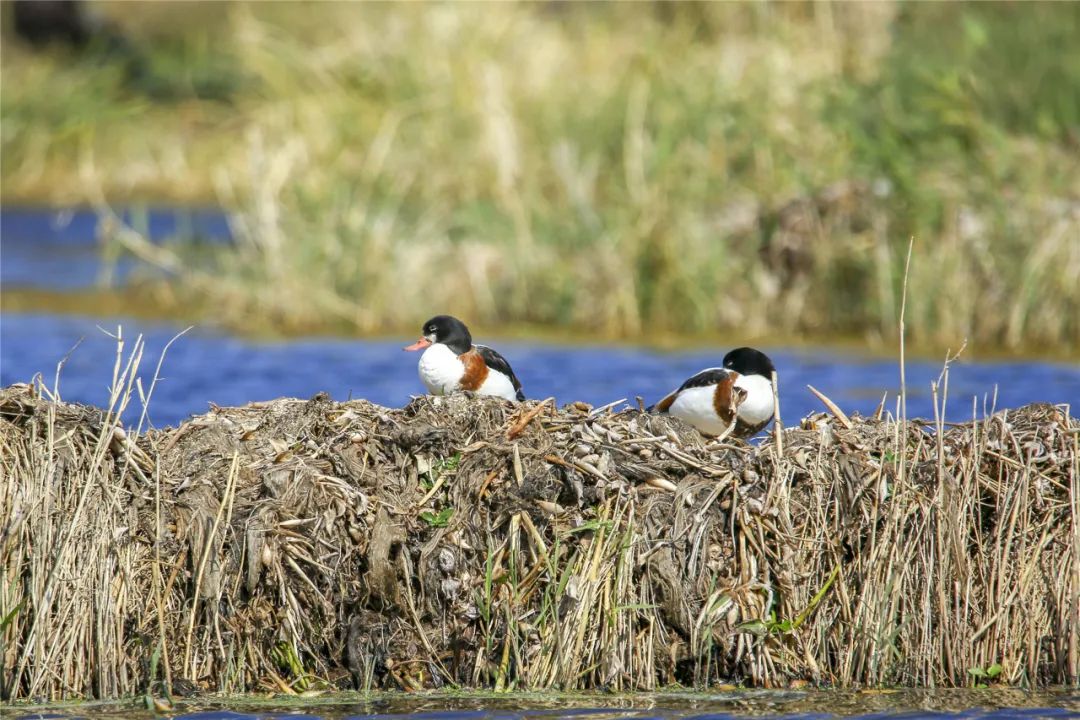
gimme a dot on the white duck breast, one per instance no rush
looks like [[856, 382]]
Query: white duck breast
[[440, 369], [758, 406], [499, 385], [695, 406]]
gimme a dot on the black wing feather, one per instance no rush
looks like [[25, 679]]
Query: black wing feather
[[495, 361], [709, 376]]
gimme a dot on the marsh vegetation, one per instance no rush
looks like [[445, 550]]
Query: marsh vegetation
[[301, 545]]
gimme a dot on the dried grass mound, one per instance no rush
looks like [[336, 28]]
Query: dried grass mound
[[462, 541]]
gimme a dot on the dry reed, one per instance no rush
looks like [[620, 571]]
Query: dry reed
[[300, 544]]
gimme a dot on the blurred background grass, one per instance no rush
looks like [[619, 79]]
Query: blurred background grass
[[735, 171]]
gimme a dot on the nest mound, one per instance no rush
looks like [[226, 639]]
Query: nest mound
[[465, 541]]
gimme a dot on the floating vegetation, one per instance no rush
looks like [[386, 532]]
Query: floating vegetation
[[299, 545]]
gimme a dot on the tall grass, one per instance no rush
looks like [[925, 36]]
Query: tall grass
[[69, 588], [749, 170]]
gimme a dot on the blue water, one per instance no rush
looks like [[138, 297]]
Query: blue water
[[205, 366], [992, 704]]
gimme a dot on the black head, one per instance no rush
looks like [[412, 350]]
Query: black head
[[748, 361], [449, 331]]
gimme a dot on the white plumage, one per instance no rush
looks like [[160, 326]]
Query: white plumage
[[758, 406], [695, 406], [440, 370]]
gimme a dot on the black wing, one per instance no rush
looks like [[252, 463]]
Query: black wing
[[495, 361], [709, 376]]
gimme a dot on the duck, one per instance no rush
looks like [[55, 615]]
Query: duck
[[452, 361], [740, 392]]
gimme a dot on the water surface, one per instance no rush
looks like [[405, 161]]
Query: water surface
[[205, 367], [673, 705]]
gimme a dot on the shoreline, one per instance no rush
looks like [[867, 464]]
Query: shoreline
[[142, 302], [676, 701]]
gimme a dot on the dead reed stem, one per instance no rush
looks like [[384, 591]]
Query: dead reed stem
[[903, 357]]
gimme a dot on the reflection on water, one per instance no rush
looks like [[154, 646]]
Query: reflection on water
[[58, 249], [675, 705], [204, 367]]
